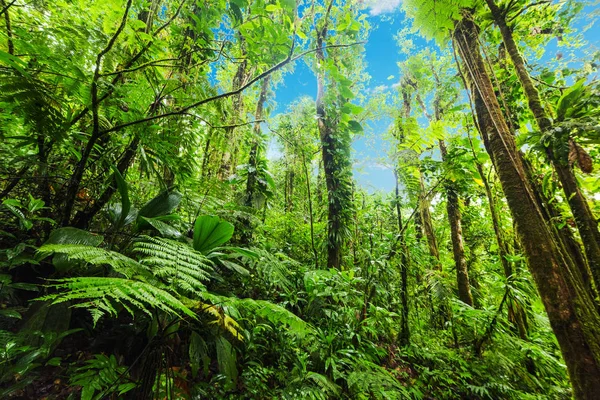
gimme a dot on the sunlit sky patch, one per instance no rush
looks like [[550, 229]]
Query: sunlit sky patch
[[371, 165]]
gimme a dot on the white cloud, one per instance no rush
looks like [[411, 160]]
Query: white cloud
[[378, 7]]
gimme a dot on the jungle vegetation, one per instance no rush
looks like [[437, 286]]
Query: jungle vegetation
[[153, 245]]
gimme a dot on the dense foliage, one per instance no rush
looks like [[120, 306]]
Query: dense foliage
[[151, 246]]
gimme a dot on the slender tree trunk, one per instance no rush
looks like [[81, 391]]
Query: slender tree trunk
[[586, 223], [75, 180], [83, 218], [452, 205], [571, 311], [14, 181], [10, 47], [310, 212], [252, 179], [227, 160], [330, 146], [458, 247], [253, 158], [427, 224], [404, 334], [516, 314]]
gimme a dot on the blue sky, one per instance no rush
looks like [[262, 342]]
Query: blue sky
[[382, 56]]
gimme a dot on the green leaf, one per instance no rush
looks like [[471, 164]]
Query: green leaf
[[569, 99], [210, 232], [163, 204], [14, 62], [10, 313], [355, 126], [163, 228], [226, 359], [70, 235], [198, 352]]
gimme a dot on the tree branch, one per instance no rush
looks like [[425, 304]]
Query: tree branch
[[511, 19], [185, 109]]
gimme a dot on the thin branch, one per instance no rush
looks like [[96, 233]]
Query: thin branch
[[6, 7], [138, 67], [525, 9], [128, 65], [185, 109], [224, 126], [410, 217]]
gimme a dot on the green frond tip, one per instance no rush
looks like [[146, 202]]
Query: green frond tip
[[220, 318], [176, 263], [97, 256], [104, 295], [267, 310]]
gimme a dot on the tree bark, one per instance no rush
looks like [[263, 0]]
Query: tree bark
[[458, 247], [516, 314], [330, 149], [10, 47], [310, 212], [570, 310], [252, 178], [586, 223], [253, 158], [427, 224], [227, 161], [83, 218], [404, 334]]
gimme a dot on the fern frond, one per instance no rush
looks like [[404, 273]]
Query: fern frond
[[220, 318], [264, 309], [275, 269], [98, 256], [176, 263], [324, 383], [100, 295], [370, 379]]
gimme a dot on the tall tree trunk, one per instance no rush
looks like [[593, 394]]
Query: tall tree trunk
[[586, 223], [452, 204], [404, 334], [516, 314], [227, 161], [252, 179], [256, 142], [310, 212], [327, 127], [10, 47], [458, 247], [427, 224], [570, 310]]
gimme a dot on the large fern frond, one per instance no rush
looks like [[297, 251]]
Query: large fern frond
[[98, 256], [176, 263], [275, 269], [369, 379], [263, 309], [102, 295], [221, 319]]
